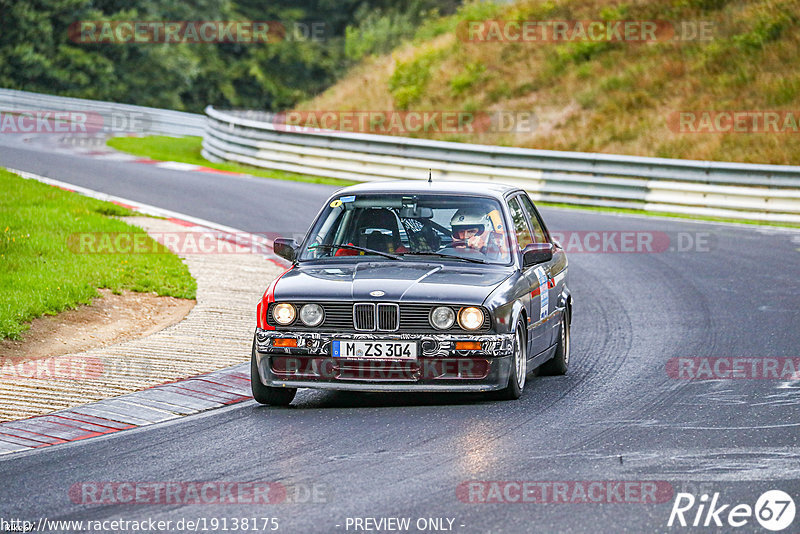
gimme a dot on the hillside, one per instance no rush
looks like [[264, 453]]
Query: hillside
[[612, 96]]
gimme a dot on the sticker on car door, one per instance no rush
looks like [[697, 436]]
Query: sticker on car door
[[544, 294]]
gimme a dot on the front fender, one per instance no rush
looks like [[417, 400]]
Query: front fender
[[517, 314], [507, 303], [506, 316]]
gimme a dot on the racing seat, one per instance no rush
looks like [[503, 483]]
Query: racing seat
[[369, 225], [376, 240]]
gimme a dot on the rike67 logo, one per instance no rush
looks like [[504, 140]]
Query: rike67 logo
[[774, 510]]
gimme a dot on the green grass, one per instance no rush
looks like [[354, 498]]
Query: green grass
[[630, 211], [187, 150], [39, 272]]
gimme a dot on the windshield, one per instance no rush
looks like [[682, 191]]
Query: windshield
[[467, 228]]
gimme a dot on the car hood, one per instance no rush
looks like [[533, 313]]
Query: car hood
[[417, 282]]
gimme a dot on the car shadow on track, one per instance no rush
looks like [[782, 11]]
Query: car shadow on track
[[316, 399]]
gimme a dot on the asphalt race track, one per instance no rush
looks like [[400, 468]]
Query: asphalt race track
[[616, 416]]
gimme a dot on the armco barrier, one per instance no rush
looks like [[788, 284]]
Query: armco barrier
[[117, 118], [735, 190]]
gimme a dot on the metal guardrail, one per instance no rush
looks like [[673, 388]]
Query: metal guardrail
[[736, 190], [116, 118], [705, 188]]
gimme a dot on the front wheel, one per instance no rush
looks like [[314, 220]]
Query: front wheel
[[519, 367], [560, 362], [267, 394]]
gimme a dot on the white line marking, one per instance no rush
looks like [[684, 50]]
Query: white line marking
[[177, 166]]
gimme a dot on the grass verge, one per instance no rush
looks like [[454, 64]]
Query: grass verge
[[187, 150], [629, 211], [40, 275]]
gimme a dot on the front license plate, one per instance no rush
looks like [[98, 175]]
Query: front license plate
[[390, 350]]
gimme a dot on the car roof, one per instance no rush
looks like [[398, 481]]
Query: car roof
[[493, 189]]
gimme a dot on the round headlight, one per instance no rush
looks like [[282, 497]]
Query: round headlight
[[470, 318], [311, 314], [284, 313], [443, 317]]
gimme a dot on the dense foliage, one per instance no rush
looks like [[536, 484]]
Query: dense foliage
[[37, 54]]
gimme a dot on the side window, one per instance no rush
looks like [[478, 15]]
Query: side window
[[538, 231], [520, 224]]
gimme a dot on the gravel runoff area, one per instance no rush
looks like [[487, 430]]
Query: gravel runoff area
[[217, 333]]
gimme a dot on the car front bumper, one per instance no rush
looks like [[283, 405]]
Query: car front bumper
[[438, 367]]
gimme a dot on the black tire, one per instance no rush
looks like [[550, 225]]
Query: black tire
[[560, 362], [266, 394], [519, 367]]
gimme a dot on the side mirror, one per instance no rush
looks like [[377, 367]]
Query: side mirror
[[537, 253], [285, 248]]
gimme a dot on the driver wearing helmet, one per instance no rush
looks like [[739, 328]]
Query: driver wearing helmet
[[474, 230], [470, 229]]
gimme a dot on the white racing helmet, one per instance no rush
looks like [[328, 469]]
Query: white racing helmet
[[464, 219]]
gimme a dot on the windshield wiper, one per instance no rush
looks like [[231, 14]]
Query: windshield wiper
[[449, 256], [353, 247]]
